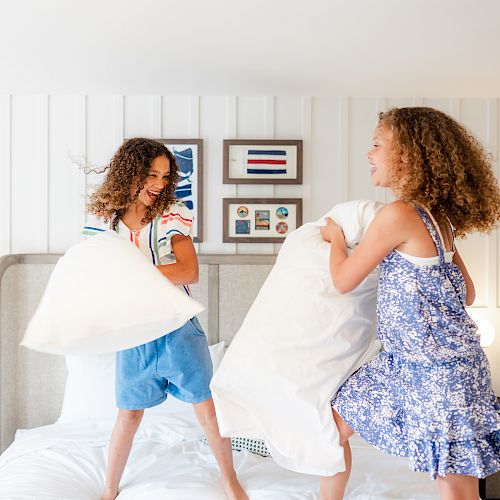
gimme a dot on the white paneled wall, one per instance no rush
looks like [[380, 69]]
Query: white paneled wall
[[42, 192]]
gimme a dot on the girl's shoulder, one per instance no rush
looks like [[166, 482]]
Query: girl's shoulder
[[94, 225], [177, 207], [177, 218], [396, 211]]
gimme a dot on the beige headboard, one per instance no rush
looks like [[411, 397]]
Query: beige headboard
[[32, 384]]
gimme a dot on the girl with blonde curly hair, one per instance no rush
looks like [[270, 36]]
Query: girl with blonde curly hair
[[137, 200], [427, 396]]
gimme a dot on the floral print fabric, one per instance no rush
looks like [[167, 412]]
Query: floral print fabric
[[427, 396]]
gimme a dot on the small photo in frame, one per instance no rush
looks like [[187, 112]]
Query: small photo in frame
[[189, 157], [254, 161], [260, 220]]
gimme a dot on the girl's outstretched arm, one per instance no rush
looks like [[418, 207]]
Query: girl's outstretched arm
[[387, 231], [185, 269]]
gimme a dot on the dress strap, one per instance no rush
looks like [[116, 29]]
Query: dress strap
[[434, 230]]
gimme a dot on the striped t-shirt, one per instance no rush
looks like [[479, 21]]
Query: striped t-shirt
[[154, 239]]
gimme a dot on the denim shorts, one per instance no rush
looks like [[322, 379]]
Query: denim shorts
[[178, 364]]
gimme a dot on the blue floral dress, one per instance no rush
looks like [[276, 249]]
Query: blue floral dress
[[427, 396]]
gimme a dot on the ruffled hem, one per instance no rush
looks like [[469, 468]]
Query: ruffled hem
[[477, 457]]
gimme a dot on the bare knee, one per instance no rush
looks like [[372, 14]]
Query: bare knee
[[130, 418], [458, 487], [205, 413], [345, 432]]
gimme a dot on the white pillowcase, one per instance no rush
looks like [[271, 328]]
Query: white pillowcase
[[90, 388], [103, 296], [299, 342]]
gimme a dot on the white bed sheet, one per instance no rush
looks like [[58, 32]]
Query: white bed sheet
[[169, 461]]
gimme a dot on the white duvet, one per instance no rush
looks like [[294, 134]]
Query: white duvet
[[299, 342], [169, 461]]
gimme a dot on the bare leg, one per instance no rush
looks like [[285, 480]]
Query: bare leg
[[458, 487], [126, 425], [221, 448], [333, 487]]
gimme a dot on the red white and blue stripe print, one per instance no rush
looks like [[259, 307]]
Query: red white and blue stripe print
[[266, 161]]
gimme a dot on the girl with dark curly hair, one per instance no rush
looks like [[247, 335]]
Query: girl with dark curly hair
[[427, 396], [137, 200]]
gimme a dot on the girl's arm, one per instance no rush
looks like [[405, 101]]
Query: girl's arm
[[387, 231], [185, 269], [471, 291]]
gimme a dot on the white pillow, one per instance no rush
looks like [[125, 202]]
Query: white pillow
[[103, 296], [90, 388], [307, 339]]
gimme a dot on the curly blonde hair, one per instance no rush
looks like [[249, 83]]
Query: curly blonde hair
[[439, 164], [129, 165]]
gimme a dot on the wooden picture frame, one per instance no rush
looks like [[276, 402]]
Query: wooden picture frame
[[190, 187], [262, 161], [260, 220]]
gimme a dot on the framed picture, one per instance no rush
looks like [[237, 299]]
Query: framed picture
[[189, 156], [262, 162], [260, 220]]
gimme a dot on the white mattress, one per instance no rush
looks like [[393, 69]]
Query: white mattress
[[169, 461]]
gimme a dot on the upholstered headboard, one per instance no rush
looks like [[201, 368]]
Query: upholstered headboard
[[32, 383]]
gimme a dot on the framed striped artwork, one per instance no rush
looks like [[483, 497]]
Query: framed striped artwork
[[255, 161], [189, 157]]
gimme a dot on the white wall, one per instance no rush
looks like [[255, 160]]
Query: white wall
[[42, 193]]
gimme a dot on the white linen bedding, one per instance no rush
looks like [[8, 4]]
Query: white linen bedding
[[169, 461]]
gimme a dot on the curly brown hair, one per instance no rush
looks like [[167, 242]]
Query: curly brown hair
[[439, 164], [129, 165]]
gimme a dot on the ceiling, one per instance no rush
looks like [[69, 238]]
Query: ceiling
[[437, 48]]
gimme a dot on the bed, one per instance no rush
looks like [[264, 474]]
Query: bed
[[60, 453]]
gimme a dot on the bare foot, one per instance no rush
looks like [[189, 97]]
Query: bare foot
[[233, 489], [109, 494]]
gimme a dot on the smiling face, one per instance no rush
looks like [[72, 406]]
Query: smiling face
[[379, 157], [155, 182]]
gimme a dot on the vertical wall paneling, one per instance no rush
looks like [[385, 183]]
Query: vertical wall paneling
[[229, 190], [194, 132], [103, 131], [176, 117], [194, 117], [269, 105], [441, 104], [306, 131], [5, 174], [288, 124], [381, 194], [361, 123], [27, 174], [269, 133], [213, 128], [324, 155], [139, 116], [343, 151], [156, 118], [118, 122], [492, 145], [252, 119], [473, 113], [65, 196], [44, 173], [81, 215], [231, 118]]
